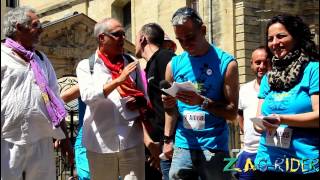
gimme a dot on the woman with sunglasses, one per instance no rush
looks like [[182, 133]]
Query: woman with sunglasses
[[289, 102]]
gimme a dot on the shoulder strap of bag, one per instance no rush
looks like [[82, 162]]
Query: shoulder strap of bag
[[91, 63], [38, 53]]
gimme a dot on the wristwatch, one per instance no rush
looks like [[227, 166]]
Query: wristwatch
[[167, 139], [205, 103]]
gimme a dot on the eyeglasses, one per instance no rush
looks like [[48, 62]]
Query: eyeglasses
[[117, 34], [188, 12]]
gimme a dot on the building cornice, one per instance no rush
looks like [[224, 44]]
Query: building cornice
[[59, 7]]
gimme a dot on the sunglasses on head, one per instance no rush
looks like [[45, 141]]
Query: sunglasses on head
[[187, 12], [117, 34]]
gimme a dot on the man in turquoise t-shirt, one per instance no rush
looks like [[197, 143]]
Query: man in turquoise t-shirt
[[201, 139]]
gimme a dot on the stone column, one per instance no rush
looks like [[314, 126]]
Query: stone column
[[248, 35]]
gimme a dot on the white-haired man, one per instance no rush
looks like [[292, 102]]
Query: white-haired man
[[108, 83], [32, 112]]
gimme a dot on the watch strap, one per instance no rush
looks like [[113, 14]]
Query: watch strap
[[168, 139]]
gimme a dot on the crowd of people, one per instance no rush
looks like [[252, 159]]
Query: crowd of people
[[129, 126]]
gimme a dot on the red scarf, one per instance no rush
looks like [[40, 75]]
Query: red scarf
[[128, 87]]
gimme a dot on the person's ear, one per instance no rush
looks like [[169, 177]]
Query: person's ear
[[100, 37], [203, 29], [143, 40], [19, 27]]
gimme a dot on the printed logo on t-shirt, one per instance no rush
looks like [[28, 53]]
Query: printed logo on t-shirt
[[205, 79], [204, 76], [280, 101], [281, 97]]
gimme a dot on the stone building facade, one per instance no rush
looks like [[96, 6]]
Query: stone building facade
[[251, 17], [236, 26]]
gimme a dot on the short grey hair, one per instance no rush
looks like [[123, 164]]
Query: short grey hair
[[101, 27], [15, 16], [179, 19]]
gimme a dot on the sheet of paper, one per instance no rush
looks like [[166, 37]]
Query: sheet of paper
[[125, 112], [176, 87], [259, 121]]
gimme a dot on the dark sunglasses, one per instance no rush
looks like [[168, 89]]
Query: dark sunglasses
[[188, 12], [117, 34], [36, 25]]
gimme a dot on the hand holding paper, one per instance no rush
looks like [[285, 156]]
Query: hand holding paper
[[176, 87], [260, 121], [125, 112], [257, 121]]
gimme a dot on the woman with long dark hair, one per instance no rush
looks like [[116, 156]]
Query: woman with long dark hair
[[289, 102]]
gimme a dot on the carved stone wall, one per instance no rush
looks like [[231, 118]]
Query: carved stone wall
[[68, 41], [251, 17], [236, 26]]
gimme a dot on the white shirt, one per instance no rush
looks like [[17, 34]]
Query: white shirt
[[105, 129], [248, 102], [24, 117]]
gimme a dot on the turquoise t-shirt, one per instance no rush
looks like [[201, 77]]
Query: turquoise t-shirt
[[283, 151], [196, 128]]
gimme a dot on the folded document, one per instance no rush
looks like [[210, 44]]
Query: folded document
[[176, 87]]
